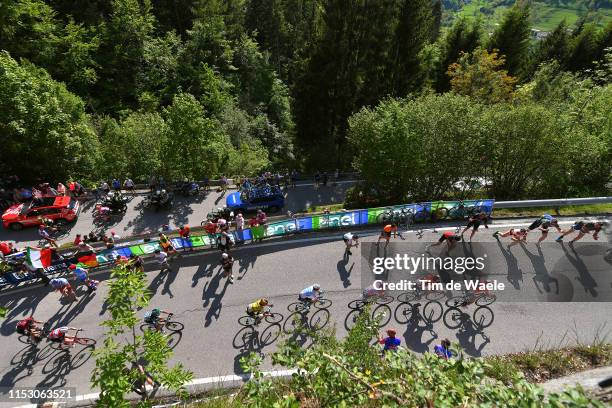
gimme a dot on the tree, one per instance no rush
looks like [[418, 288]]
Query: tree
[[480, 75], [123, 350], [511, 38], [463, 36], [122, 54], [46, 133], [584, 49], [195, 147]]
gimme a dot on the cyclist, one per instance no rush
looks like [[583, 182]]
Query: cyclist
[[63, 286], [391, 343], [474, 222], [58, 335], [28, 326], [310, 294], [44, 234], [387, 231], [583, 228], [371, 293], [257, 309], [350, 240], [442, 350], [227, 261], [450, 237], [543, 224], [166, 244], [162, 258], [516, 234], [154, 317]]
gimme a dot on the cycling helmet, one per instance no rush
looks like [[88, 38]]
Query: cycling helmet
[[224, 255], [391, 332], [263, 301], [155, 312], [316, 286], [72, 267], [355, 236], [157, 251]]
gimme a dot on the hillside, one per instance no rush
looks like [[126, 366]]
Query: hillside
[[545, 14]]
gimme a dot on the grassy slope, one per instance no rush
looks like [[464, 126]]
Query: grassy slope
[[544, 16]]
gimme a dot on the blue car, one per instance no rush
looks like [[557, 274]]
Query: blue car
[[269, 198]]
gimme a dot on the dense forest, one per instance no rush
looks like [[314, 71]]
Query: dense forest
[[194, 88]]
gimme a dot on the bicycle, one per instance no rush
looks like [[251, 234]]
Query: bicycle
[[303, 305], [168, 323], [457, 212], [71, 341], [402, 216], [480, 298], [408, 312], [382, 311], [267, 315]]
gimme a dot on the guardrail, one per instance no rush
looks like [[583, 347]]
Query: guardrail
[[553, 202], [317, 222]]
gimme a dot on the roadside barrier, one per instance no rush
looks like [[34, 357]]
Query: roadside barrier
[[401, 214]]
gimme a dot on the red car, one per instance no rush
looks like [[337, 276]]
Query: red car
[[60, 208]]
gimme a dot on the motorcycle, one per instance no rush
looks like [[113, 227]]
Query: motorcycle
[[159, 199], [116, 202], [187, 188], [224, 213]]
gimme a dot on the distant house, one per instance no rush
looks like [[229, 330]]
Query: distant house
[[538, 35]]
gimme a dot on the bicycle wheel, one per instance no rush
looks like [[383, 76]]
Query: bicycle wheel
[[404, 313], [175, 326], [432, 312], [455, 301], [319, 319], [407, 297], [274, 318], [294, 322], [85, 341], [384, 300], [483, 317], [246, 321], [453, 318], [356, 304], [441, 213], [270, 334], [147, 327], [323, 303], [383, 314], [351, 319], [485, 299], [297, 307]]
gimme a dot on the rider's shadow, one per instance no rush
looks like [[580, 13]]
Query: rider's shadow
[[467, 336], [212, 299], [413, 335], [515, 274], [344, 273]]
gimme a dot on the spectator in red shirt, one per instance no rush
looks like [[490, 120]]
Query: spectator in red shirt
[[77, 240], [185, 231], [211, 229], [253, 222], [6, 248], [261, 217]]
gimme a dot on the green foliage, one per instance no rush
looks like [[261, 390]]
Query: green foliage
[[43, 125], [511, 38], [352, 373], [115, 373]]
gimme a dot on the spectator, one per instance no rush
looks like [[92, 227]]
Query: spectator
[[83, 246], [104, 187], [391, 343], [166, 244], [325, 178], [294, 176], [261, 217], [224, 242], [317, 179], [443, 349], [211, 229], [185, 232], [227, 261], [61, 189], [77, 240], [128, 184], [116, 184], [7, 248]]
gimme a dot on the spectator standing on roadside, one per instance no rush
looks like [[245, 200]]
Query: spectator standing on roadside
[[261, 217], [239, 226], [227, 261], [116, 184], [317, 179], [128, 184], [294, 176], [325, 178], [61, 189]]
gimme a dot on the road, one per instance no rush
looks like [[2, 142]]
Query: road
[[209, 306], [191, 210]]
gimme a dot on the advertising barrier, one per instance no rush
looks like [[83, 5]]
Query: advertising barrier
[[401, 214]]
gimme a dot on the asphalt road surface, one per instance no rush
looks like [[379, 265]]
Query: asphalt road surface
[[190, 210], [212, 341]]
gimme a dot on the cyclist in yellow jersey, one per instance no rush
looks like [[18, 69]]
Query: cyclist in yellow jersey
[[257, 308]]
